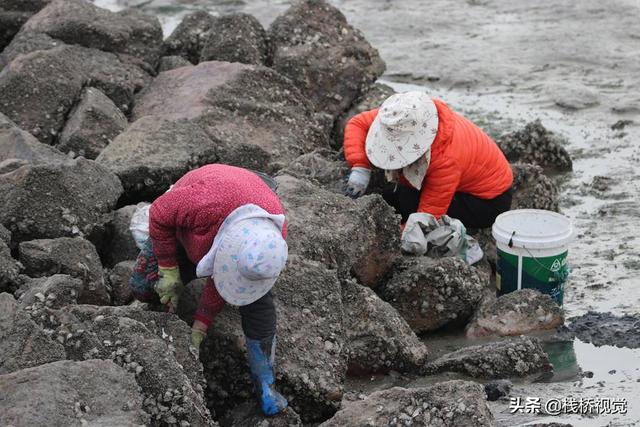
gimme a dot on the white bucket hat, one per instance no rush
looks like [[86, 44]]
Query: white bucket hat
[[403, 131], [247, 255]]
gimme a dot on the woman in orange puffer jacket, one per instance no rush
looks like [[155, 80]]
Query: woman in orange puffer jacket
[[442, 163]]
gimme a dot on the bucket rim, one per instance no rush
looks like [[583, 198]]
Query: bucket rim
[[504, 234]]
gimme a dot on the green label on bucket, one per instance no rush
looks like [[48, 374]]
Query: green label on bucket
[[546, 274]]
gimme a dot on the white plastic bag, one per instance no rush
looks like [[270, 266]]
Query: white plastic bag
[[139, 225]]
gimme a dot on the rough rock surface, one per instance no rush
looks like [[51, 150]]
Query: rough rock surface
[[447, 404], [516, 357], [55, 291], [236, 38], [378, 339], [497, 388], [327, 58], [9, 269], [79, 22], [322, 167], [172, 62], [120, 245], [74, 67], [93, 392], [188, 39], [13, 14], [58, 198], [249, 415], [516, 313], [22, 343], [119, 275], [607, 329], [372, 98], [154, 152], [92, 125], [5, 235], [532, 189], [311, 362], [353, 236], [76, 257], [537, 145], [432, 293]]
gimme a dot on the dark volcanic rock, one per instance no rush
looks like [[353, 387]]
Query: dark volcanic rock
[[497, 388], [120, 245], [13, 14], [322, 167], [76, 257], [256, 118], [5, 235], [537, 145], [73, 67], [311, 362], [354, 236], [79, 22], [188, 39], [94, 392], [532, 189], [250, 415], [327, 58], [18, 147], [22, 343], [432, 293], [9, 269], [172, 62], [447, 404], [154, 152], [92, 125], [378, 339], [372, 98], [516, 313], [607, 329], [516, 357], [121, 293], [54, 291], [236, 38]]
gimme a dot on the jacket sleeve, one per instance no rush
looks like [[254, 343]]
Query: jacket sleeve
[[163, 217], [439, 187], [355, 136], [209, 305]]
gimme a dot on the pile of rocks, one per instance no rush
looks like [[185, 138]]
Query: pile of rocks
[[114, 115]]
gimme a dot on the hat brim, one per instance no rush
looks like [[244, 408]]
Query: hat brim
[[232, 286], [384, 154]]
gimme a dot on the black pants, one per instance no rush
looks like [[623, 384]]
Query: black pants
[[258, 318], [473, 211]]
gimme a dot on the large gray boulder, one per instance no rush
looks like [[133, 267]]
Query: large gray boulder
[[516, 313], [378, 339], [189, 37], [432, 293], [23, 344], [30, 68], [154, 152], [93, 392], [18, 147], [258, 115], [119, 275], [172, 62], [236, 38], [311, 361], [93, 123], [328, 59], [80, 22], [516, 357], [55, 291], [322, 167], [532, 189], [446, 404], [76, 257], [353, 236], [537, 145]]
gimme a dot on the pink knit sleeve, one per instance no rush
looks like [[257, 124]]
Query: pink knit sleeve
[[210, 304]]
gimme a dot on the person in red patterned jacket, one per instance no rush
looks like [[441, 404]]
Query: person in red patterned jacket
[[232, 228]]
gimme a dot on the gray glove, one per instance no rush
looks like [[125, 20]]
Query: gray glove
[[358, 182]]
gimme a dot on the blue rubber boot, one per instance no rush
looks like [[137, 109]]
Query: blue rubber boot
[[261, 354]]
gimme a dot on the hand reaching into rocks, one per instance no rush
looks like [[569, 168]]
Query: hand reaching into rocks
[[358, 182], [169, 287]]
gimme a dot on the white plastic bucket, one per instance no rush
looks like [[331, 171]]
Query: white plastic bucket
[[533, 245]]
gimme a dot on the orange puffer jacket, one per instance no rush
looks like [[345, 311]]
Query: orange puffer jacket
[[463, 158]]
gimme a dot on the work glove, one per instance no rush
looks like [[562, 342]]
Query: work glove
[[358, 182], [198, 332], [169, 287]]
